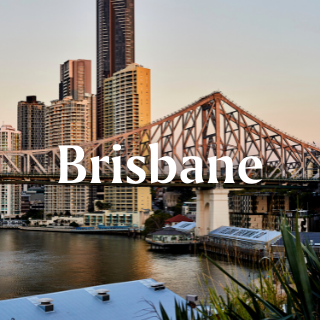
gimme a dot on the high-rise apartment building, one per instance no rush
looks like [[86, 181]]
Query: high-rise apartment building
[[31, 123], [75, 79], [10, 202], [115, 44], [127, 107], [69, 122]]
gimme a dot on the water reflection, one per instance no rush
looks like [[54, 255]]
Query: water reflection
[[35, 262]]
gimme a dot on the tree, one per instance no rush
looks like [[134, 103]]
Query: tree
[[153, 193], [177, 209], [74, 224], [103, 205], [307, 200], [156, 221], [33, 214], [186, 194]]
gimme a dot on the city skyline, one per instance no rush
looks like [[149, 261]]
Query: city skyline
[[267, 68]]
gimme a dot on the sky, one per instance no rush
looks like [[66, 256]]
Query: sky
[[264, 55]]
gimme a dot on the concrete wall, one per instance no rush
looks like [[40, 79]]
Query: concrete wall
[[212, 210]]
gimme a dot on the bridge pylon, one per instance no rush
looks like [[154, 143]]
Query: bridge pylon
[[212, 210]]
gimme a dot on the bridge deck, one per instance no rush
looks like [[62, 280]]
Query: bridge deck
[[266, 183]]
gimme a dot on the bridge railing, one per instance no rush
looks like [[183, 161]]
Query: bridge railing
[[160, 177]]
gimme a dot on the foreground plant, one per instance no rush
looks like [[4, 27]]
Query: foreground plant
[[291, 291]]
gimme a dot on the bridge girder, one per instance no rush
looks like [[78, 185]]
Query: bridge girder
[[211, 126]]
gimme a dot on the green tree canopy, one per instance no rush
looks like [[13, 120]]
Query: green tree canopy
[[103, 205], [33, 214], [156, 221], [186, 194]]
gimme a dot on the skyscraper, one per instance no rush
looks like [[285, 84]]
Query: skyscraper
[[10, 203], [115, 44], [31, 115], [75, 79], [127, 107]]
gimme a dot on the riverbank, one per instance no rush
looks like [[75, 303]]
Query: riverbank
[[9, 227], [84, 231]]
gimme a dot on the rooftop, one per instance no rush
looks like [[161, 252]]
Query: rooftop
[[167, 232], [127, 301], [255, 235], [185, 226], [7, 127], [178, 218]]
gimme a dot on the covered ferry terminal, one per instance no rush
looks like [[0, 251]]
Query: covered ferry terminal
[[244, 238], [240, 243]]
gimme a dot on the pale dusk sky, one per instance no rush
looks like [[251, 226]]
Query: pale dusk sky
[[264, 55]]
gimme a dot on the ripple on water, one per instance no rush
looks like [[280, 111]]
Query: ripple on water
[[35, 262]]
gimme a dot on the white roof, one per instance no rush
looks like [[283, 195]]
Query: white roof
[[257, 235], [184, 226], [128, 300]]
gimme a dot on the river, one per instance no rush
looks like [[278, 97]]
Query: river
[[41, 262]]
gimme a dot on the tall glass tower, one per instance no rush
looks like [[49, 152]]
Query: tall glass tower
[[115, 44]]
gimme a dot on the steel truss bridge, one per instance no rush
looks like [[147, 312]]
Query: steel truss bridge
[[211, 126]]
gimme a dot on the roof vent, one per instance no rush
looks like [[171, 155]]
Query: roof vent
[[192, 299], [46, 305], [102, 294], [158, 286]]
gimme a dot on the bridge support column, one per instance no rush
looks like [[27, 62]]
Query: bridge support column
[[212, 210]]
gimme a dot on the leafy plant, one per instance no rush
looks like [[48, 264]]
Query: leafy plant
[[155, 221], [103, 205], [183, 312], [74, 224]]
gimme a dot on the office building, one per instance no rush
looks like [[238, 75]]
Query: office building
[[69, 122], [170, 199], [32, 199], [189, 209], [75, 79], [257, 210], [127, 107], [115, 44], [10, 202], [31, 115]]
